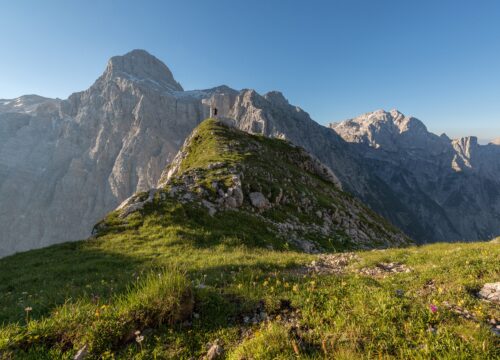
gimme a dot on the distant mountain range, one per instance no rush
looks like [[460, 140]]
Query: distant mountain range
[[452, 186], [65, 163]]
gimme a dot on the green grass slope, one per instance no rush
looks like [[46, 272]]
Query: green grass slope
[[100, 292], [168, 279]]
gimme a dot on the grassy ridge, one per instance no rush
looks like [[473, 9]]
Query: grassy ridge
[[287, 177]]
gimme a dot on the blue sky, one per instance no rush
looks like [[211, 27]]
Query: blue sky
[[436, 60]]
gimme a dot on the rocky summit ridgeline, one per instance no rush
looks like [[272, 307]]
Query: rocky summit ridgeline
[[292, 200], [65, 163], [451, 186]]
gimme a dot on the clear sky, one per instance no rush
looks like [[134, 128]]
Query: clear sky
[[438, 60]]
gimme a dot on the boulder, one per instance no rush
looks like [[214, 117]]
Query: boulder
[[259, 201], [490, 292]]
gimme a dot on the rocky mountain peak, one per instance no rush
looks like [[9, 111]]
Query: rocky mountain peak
[[396, 114], [410, 124], [140, 66], [277, 98], [445, 137], [495, 141], [387, 130], [394, 119], [28, 104]]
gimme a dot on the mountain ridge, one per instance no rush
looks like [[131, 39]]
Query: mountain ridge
[[457, 175], [101, 145]]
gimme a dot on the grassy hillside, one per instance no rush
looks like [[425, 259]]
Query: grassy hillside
[[86, 293], [174, 277]]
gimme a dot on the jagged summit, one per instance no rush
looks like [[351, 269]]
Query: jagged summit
[[27, 104], [442, 173], [382, 129], [393, 120], [139, 65], [26, 99], [276, 97]]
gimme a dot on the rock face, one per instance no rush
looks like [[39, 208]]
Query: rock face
[[65, 163], [451, 187]]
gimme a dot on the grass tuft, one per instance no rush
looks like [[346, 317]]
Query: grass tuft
[[159, 299]]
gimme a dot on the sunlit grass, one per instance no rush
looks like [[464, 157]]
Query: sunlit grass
[[343, 315]]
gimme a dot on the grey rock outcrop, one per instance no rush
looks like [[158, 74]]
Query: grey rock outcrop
[[258, 200], [216, 351], [490, 292]]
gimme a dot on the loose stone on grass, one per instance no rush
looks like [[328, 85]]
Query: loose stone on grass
[[490, 292], [384, 269], [331, 263], [216, 351]]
